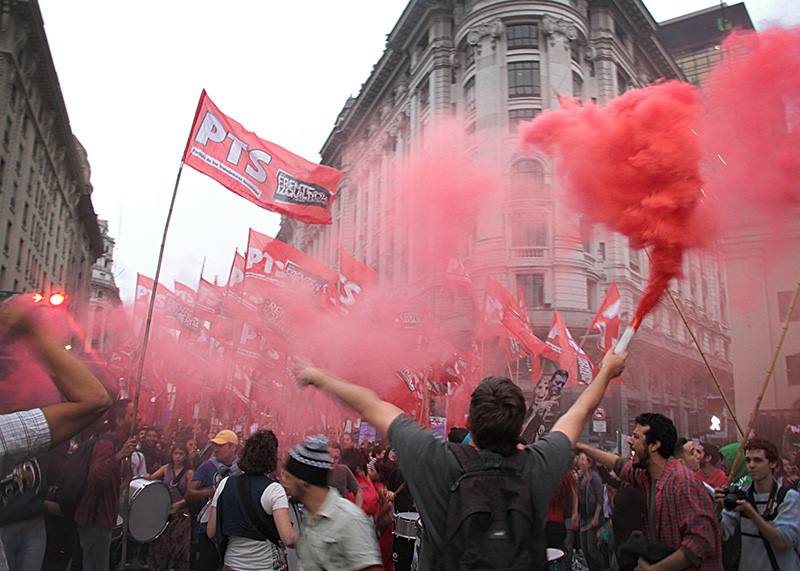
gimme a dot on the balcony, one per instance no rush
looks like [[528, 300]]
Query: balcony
[[525, 252]]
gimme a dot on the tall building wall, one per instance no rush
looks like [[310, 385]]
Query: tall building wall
[[495, 63], [49, 235]]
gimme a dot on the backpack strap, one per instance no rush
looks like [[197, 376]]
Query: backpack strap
[[467, 456], [262, 525], [776, 497]]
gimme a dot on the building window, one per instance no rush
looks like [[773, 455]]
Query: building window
[[575, 51], [522, 36], [516, 116], [527, 231], [469, 55], [25, 216], [530, 288], [527, 177], [793, 369], [7, 133], [622, 36], [623, 81], [469, 94], [2, 173], [2, 276], [577, 85], [601, 250], [591, 294], [586, 231], [634, 260], [784, 299], [425, 92], [523, 79], [13, 95]]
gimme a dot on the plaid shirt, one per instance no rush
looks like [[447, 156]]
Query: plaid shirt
[[23, 435], [685, 516]]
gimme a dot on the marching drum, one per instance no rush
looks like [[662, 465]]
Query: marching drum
[[149, 503], [405, 536], [556, 560]]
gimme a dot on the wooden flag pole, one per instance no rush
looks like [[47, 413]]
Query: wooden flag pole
[[711, 371], [754, 415], [143, 354]]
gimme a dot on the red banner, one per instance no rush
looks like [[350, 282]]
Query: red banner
[[270, 261], [354, 278], [607, 319], [209, 301], [257, 170], [186, 294], [563, 349]]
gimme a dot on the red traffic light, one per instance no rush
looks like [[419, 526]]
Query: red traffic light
[[57, 299]]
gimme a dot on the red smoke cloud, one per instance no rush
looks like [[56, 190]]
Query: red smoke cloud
[[750, 131], [632, 165]]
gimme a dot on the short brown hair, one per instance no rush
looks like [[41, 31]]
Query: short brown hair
[[497, 411], [260, 454], [770, 450]]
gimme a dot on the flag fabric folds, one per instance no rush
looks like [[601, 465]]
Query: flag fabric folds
[[258, 170]]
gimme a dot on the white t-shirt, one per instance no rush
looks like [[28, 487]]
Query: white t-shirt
[[245, 554]]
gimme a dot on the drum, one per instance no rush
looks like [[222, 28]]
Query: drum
[[405, 537], [556, 560], [149, 503]]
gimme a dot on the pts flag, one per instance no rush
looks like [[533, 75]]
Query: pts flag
[[260, 171]]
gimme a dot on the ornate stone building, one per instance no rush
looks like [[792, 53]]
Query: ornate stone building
[[496, 63], [48, 228], [104, 297]]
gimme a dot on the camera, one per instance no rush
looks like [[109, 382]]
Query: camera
[[733, 494]]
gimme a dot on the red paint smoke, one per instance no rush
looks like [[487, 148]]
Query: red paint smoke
[[633, 166], [750, 131]]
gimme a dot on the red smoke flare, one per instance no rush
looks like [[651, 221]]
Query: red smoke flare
[[633, 166]]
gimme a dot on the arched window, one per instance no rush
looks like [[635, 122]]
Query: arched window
[[527, 178]]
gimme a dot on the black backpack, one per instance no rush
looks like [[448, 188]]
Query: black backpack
[[490, 516], [71, 484]]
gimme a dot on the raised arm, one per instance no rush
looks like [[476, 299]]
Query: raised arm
[[365, 402], [572, 422], [603, 458], [86, 398]]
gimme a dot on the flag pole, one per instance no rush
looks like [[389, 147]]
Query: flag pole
[[754, 415], [713, 374], [145, 340]]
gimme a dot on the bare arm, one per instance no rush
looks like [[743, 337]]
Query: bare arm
[[284, 525], [359, 499], [607, 459], [572, 422], [196, 493], [211, 526], [365, 402], [86, 397], [158, 474]]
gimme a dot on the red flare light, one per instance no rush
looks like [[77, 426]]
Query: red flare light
[[57, 299]]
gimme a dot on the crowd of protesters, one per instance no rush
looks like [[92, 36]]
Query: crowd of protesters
[[484, 500]]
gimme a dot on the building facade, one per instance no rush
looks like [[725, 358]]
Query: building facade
[[761, 272], [104, 295], [496, 63], [48, 228]]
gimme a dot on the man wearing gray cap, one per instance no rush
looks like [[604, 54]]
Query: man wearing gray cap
[[336, 534]]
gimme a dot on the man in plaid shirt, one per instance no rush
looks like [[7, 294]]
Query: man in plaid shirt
[[680, 512]]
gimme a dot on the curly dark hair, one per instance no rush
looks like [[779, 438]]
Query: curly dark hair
[[661, 429], [260, 454], [355, 460], [770, 450]]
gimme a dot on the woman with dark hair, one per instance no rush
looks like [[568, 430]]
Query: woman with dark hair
[[590, 507], [250, 512], [173, 544]]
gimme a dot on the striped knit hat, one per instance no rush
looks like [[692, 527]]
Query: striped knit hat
[[310, 461]]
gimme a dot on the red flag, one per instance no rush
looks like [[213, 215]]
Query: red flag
[[209, 301], [161, 306], [500, 306], [257, 170], [456, 277], [186, 294], [354, 278], [562, 348], [607, 319], [270, 261]]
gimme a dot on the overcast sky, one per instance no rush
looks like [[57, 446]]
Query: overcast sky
[[131, 74]]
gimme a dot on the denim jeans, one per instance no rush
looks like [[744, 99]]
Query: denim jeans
[[24, 543], [96, 546]]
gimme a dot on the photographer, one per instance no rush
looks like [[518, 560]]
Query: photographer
[[768, 513]]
